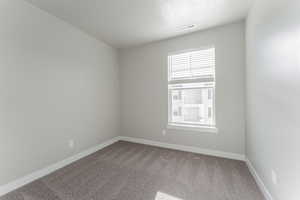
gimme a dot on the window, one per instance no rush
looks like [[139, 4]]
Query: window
[[191, 87]]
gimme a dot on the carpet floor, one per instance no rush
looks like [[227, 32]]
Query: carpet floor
[[129, 171]]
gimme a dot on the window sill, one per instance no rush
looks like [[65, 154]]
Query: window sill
[[203, 129]]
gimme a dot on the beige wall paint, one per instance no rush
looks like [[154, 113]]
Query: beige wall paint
[[273, 95], [143, 73], [56, 84]]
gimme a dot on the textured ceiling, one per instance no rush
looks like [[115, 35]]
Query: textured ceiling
[[125, 23]]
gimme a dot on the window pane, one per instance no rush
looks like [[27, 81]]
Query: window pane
[[192, 105], [192, 114], [192, 96], [191, 88]]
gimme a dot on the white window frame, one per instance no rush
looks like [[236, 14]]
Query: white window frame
[[183, 126]]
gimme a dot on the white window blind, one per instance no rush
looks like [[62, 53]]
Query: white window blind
[[192, 88], [193, 64]]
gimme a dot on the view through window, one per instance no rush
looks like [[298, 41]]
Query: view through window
[[191, 85]]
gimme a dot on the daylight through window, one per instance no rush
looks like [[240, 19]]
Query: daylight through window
[[191, 86]]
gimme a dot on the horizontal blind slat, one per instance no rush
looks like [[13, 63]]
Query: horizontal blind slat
[[192, 64]]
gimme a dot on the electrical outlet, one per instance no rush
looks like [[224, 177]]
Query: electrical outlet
[[71, 144], [274, 177], [164, 132]]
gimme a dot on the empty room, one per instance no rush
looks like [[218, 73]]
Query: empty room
[[149, 100]]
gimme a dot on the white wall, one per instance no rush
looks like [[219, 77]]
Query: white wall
[[143, 72], [273, 95], [56, 84]]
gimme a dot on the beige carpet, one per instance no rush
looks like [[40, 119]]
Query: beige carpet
[[129, 171]]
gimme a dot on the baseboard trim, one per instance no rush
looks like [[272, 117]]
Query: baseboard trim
[[47, 170], [259, 181], [222, 154], [4, 189]]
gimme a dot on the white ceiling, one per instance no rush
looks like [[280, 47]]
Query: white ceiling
[[124, 23]]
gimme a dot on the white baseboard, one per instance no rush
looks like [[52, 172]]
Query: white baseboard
[[259, 181], [4, 189], [222, 154]]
